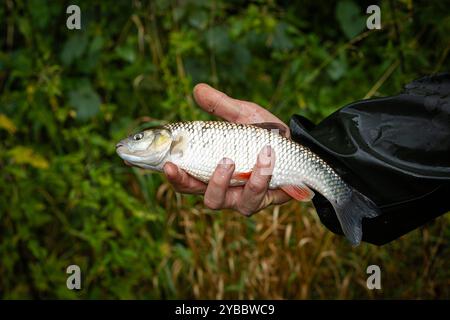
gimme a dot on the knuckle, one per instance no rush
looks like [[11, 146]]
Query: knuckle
[[265, 169], [221, 177], [218, 180], [256, 186], [247, 213], [211, 203], [215, 103], [176, 186], [184, 180], [245, 210], [253, 104]]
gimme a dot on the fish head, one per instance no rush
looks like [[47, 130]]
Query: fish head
[[148, 149]]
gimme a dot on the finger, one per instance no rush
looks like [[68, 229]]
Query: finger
[[181, 181], [233, 110], [275, 197], [234, 195], [255, 189], [218, 185]]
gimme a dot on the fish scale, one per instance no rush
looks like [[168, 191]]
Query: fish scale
[[210, 141], [198, 146]]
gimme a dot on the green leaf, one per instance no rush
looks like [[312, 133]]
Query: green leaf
[[7, 124], [73, 48], [127, 53], [96, 44], [281, 39], [218, 40], [86, 102], [338, 67], [26, 155], [350, 18], [199, 19]]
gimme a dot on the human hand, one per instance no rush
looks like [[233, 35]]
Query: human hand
[[254, 195]]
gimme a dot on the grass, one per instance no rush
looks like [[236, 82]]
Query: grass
[[286, 252], [66, 98]]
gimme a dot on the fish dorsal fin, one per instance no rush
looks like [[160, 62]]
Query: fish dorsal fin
[[282, 130], [300, 192]]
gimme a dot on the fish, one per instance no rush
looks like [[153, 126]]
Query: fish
[[198, 146]]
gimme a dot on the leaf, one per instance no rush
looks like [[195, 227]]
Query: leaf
[[86, 102], [218, 40], [40, 14], [96, 44], [26, 155], [350, 18], [281, 39], [241, 56], [126, 53], [7, 124], [337, 68], [73, 48], [199, 19]]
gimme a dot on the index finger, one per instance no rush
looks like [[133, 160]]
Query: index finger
[[181, 181], [233, 110]]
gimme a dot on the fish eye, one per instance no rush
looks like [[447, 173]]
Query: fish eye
[[138, 136]]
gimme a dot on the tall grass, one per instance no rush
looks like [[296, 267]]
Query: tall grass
[[68, 96], [285, 252]]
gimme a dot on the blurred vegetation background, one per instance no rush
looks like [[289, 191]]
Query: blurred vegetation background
[[67, 96]]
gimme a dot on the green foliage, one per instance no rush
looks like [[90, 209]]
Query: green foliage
[[351, 20], [67, 96]]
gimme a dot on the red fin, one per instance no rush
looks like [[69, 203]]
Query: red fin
[[300, 193], [242, 176]]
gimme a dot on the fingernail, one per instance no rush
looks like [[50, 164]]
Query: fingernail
[[226, 164], [265, 156]]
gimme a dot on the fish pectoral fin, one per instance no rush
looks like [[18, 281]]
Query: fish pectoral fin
[[282, 130], [300, 192], [242, 176], [178, 146]]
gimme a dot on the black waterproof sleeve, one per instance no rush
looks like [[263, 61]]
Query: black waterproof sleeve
[[395, 150]]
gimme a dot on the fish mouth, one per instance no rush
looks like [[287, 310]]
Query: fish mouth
[[121, 149], [121, 146], [124, 153]]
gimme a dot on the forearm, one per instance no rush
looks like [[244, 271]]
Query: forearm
[[376, 147]]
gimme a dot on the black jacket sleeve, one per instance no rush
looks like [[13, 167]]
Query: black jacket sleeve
[[395, 150]]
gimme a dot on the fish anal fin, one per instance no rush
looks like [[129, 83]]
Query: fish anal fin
[[242, 176], [300, 193]]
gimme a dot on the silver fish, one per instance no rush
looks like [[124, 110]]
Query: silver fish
[[198, 146]]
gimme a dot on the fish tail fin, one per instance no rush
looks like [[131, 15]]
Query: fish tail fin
[[350, 212]]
